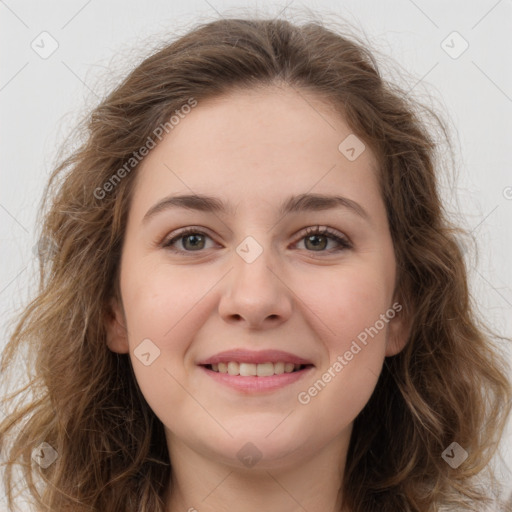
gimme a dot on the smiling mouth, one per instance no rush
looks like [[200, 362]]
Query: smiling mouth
[[256, 370]]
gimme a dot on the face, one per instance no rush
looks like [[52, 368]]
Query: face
[[269, 272]]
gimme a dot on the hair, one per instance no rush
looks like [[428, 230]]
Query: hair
[[448, 384]]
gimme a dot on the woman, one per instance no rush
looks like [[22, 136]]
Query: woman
[[253, 298]]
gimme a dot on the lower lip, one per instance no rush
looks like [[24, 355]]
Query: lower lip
[[254, 384]]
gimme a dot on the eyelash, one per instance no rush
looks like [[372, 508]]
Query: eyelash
[[314, 230]]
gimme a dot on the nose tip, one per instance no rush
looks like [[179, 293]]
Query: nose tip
[[254, 293]]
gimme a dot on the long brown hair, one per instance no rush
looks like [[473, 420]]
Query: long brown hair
[[447, 385]]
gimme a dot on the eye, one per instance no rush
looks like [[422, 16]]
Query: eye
[[192, 240], [315, 238], [318, 237]]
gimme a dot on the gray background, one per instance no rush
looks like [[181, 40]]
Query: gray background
[[41, 99]]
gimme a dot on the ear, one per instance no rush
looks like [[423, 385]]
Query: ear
[[399, 330], [117, 334]]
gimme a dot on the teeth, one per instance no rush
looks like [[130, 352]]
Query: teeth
[[278, 368], [262, 370], [288, 367], [251, 369], [233, 368], [247, 369]]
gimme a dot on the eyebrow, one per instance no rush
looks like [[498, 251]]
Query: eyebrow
[[294, 204]]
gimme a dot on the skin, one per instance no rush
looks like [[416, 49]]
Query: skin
[[253, 149]]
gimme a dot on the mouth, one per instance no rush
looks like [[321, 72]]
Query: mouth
[[255, 372], [267, 369]]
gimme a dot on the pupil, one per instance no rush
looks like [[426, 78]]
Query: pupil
[[312, 237], [197, 238]]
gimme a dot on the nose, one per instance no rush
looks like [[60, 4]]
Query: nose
[[256, 293]]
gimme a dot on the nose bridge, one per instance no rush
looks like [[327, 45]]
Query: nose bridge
[[253, 263], [255, 292]]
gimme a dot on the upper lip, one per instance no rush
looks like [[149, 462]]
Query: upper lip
[[255, 357]]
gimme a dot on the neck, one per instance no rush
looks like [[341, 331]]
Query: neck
[[203, 484]]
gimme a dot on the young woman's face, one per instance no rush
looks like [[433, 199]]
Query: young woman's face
[[257, 286]]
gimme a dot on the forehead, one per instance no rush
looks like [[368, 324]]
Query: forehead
[[258, 143]]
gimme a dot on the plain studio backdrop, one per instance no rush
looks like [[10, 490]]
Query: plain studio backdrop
[[59, 59]]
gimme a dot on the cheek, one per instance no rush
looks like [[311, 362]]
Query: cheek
[[350, 307], [159, 298], [358, 310], [168, 306], [154, 302], [349, 300]]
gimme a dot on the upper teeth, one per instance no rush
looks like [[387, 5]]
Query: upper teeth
[[251, 369]]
